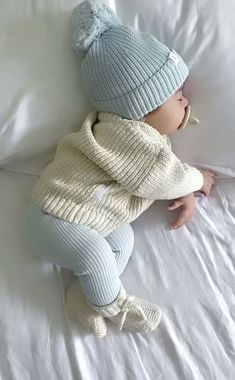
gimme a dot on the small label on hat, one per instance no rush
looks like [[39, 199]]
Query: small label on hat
[[173, 57]]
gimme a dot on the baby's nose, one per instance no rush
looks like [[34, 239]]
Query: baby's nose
[[184, 102]]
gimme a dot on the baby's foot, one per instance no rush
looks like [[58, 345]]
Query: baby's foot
[[131, 313], [78, 310]]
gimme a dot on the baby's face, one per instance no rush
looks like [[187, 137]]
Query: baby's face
[[167, 118]]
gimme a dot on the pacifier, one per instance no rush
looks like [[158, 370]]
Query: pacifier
[[188, 119]]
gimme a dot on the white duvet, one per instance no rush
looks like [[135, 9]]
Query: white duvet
[[190, 273]]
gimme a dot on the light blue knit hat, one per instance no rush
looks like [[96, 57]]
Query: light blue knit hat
[[124, 71]]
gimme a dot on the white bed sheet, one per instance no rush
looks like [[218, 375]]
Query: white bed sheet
[[189, 272]]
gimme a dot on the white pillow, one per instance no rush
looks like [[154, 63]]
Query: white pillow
[[41, 94], [204, 35]]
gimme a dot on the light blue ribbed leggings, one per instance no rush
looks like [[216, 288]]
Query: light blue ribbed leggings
[[98, 261]]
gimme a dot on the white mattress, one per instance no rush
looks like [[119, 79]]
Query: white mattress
[[190, 273]]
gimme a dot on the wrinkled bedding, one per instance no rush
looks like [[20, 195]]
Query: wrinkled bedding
[[190, 273]]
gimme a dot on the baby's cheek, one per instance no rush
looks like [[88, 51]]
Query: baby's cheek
[[174, 122]]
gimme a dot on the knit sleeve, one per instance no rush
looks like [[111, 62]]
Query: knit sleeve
[[141, 160], [169, 178]]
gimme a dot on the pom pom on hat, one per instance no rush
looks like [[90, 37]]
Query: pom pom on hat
[[123, 70], [89, 20]]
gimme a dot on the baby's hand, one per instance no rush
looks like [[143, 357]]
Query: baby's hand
[[187, 209], [209, 180]]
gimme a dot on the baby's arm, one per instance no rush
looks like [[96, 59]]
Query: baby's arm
[[209, 180], [186, 204], [141, 160]]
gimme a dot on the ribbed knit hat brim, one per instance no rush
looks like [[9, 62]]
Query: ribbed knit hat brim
[[151, 94]]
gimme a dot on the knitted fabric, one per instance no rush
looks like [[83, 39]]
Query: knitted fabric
[[78, 310], [110, 171], [124, 71], [98, 261], [131, 313]]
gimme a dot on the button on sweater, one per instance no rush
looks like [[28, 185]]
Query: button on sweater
[[110, 171]]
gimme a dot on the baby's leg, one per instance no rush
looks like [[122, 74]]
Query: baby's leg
[[121, 241], [91, 258], [81, 249]]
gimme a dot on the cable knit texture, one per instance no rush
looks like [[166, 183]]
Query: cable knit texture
[[110, 171]]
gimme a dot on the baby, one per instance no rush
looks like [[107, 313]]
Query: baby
[[111, 170]]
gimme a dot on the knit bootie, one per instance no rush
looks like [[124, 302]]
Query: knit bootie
[[131, 313], [78, 310]]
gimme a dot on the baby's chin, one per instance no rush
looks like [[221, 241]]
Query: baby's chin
[[172, 131]]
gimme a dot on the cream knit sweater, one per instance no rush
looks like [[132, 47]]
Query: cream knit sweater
[[110, 171]]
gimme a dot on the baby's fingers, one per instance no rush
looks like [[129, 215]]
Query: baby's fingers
[[175, 204], [210, 173], [213, 174], [183, 218]]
